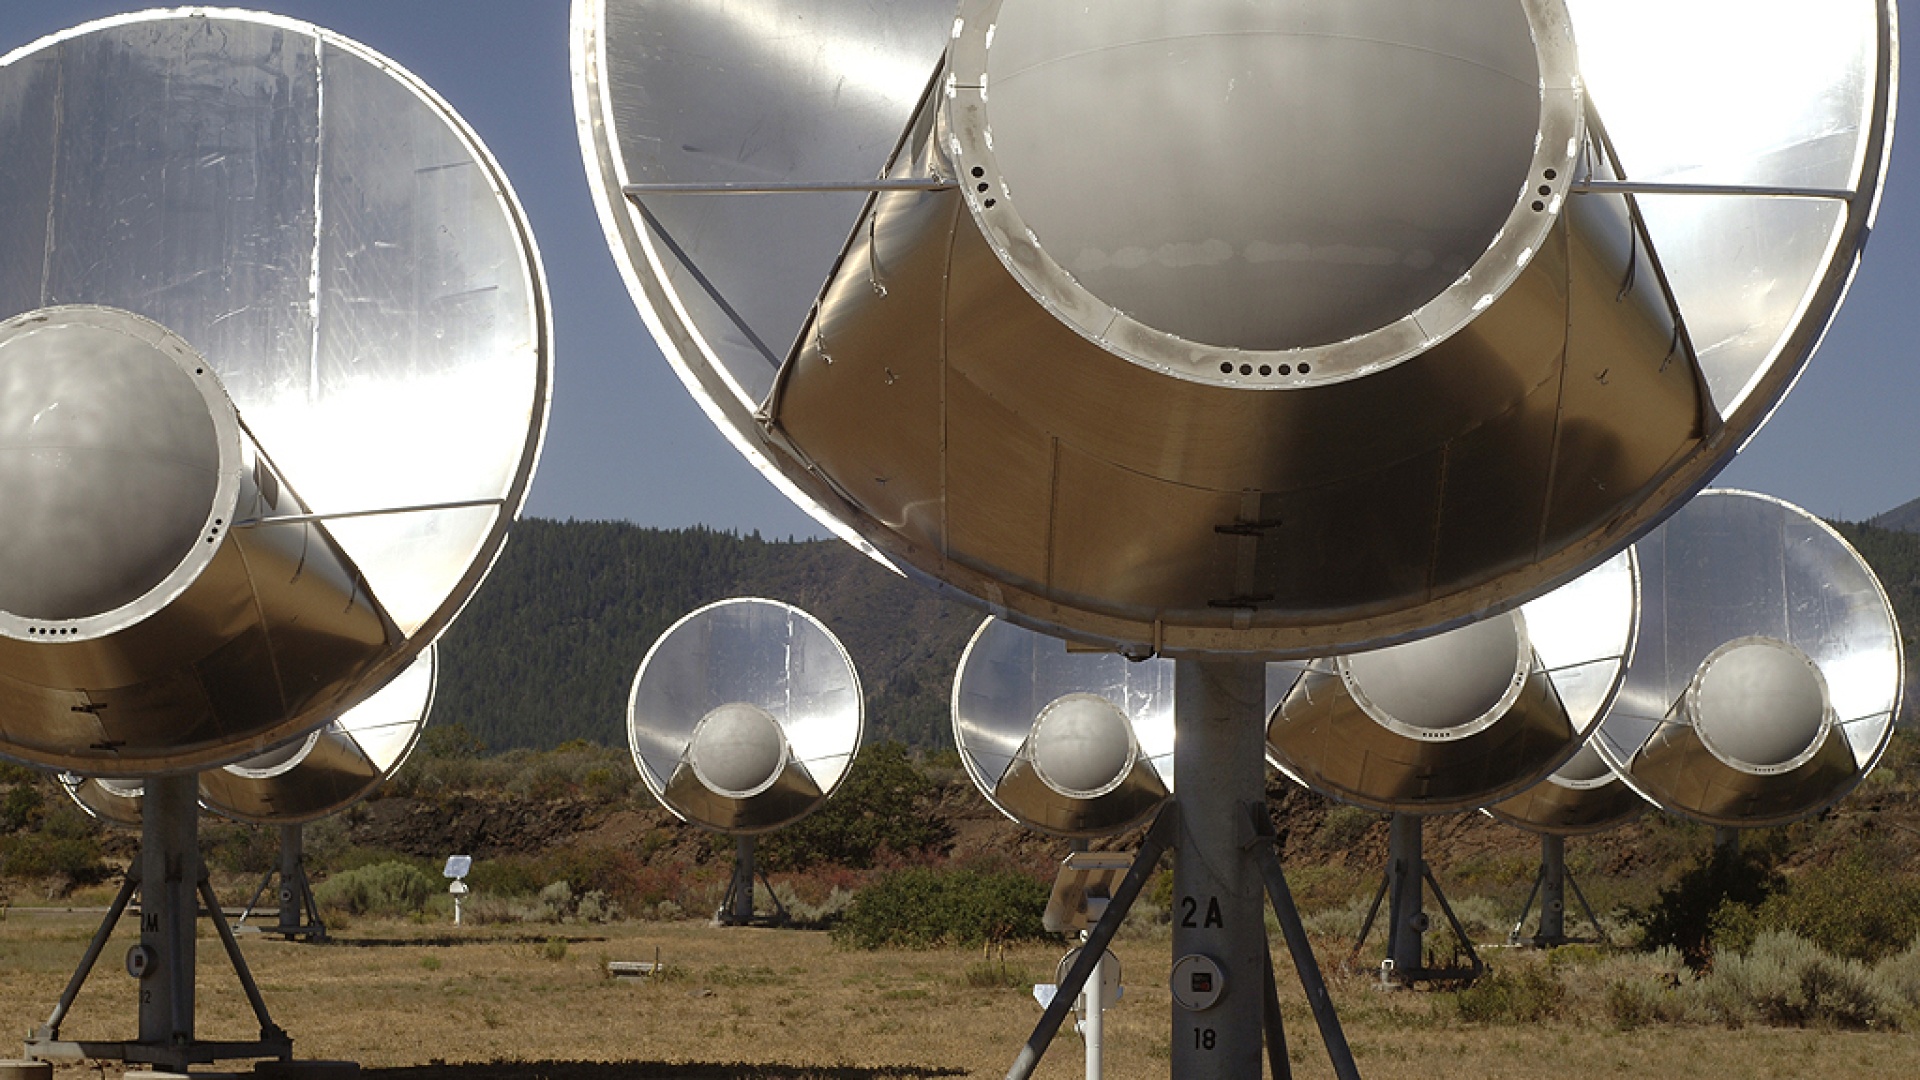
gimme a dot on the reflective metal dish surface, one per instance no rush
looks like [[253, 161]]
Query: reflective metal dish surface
[[114, 802], [998, 307], [334, 767], [1741, 591], [340, 248], [745, 715], [1467, 717], [1071, 743], [1583, 796]]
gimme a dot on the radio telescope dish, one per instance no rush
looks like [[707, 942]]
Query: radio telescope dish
[[1769, 670], [1463, 718], [1076, 744], [1173, 342], [294, 325], [1583, 796], [745, 715], [112, 802], [334, 767], [327, 771]]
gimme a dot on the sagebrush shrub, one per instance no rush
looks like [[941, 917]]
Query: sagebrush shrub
[[920, 908], [1787, 981], [1527, 994], [388, 889]]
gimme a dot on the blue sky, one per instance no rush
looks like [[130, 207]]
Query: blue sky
[[626, 442]]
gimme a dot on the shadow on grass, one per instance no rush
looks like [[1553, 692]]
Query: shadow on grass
[[451, 942], [648, 1070]]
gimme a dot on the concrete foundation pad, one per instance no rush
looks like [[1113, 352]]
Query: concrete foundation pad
[[306, 1070], [26, 1070]]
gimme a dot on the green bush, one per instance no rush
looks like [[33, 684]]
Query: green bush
[[22, 807], [507, 875], [239, 849], [614, 874], [1787, 981], [388, 889], [1686, 913], [45, 855], [448, 742], [64, 843], [1527, 995], [1858, 908], [1343, 827], [920, 908], [554, 904], [876, 809]]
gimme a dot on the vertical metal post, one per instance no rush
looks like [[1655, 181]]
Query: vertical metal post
[[169, 907], [1093, 1027], [743, 881], [1406, 891], [1219, 771], [1553, 891], [293, 879], [1152, 847]]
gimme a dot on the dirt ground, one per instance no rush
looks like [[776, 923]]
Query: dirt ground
[[418, 1002]]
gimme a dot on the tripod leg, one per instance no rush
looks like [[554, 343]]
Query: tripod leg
[[1152, 849], [1514, 936], [1302, 951], [268, 1030], [1598, 931], [1277, 1065], [257, 894], [1459, 931], [51, 1029], [1373, 910]]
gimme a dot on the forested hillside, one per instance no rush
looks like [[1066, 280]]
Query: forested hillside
[[547, 650]]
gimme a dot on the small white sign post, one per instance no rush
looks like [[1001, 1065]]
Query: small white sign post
[[457, 868]]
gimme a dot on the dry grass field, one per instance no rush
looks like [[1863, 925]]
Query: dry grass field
[[420, 1002]]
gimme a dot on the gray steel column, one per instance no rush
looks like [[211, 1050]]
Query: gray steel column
[[1553, 891], [1406, 908], [293, 879], [169, 907], [1219, 901], [743, 882], [1093, 1029]]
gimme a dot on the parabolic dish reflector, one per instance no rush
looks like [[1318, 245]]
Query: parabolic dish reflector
[[1076, 744], [1583, 796], [334, 767], [1273, 329], [322, 773], [745, 715], [1769, 671], [315, 228], [1464, 718], [115, 802]]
